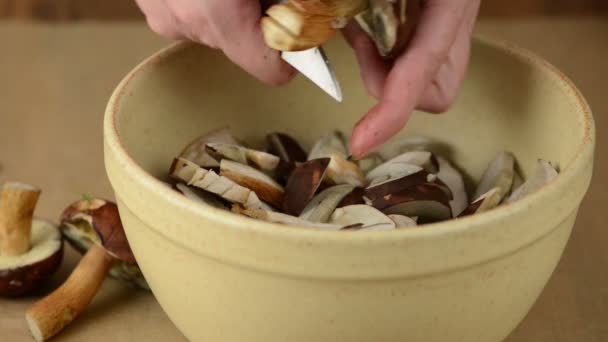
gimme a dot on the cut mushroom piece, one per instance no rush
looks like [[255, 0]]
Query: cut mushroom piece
[[303, 184], [200, 196], [487, 201], [544, 173], [265, 187], [499, 174], [370, 162], [354, 197], [518, 181], [364, 215], [258, 159], [399, 184], [409, 144], [289, 152], [340, 170], [51, 314], [281, 218], [320, 208], [208, 180], [286, 148], [197, 153], [427, 200], [403, 163], [402, 221], [449, 175], [390, 24], [32, 250]]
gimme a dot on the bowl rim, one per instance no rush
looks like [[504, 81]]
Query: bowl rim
[[574, 168]]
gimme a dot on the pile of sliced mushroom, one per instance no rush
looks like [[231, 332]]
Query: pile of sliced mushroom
[[403, 185]]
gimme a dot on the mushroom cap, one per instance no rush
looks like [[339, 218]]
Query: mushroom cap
[[303, 184], [20, 274], [96, 221]]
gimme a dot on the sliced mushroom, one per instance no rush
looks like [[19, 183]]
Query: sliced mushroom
[[303, 184], [402, 163], [395, 185], [370, 162], [51, 314], [265, 187], [340, 170], [281, 218], [364, 215], [30, 250], [197, 153], [544, 173], [320, 208], [354, 197], [258, 159], [402, 221], [499, 174], [408, 144], [200, 196], [288, 150], [385, 22], [487, 201], [208, 180], [425, 200], [518, 181], [449, 175]]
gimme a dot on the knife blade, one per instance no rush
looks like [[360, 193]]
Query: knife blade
[[314, 64]]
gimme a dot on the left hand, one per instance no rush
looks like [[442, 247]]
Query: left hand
[[427, 75]]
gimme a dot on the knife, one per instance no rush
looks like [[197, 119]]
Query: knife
[[298, 28], [312, 63]]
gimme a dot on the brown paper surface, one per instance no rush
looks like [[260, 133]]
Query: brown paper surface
[[54, 84]]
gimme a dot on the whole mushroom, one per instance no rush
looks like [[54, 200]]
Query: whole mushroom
[[50, 315], [30, 250]]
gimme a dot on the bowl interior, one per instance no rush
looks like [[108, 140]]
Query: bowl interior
[[506, 103]]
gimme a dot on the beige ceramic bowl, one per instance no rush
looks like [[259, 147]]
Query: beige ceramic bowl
[[222, 277]]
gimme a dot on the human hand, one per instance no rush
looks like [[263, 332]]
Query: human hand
[[230, 25], [426, 75]]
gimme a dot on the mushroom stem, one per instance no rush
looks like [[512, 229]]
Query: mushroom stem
[[51, 314], [17, 206]]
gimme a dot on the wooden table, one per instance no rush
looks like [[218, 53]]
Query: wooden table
[[54, 84]]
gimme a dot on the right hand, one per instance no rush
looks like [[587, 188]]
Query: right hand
[[230, 25]]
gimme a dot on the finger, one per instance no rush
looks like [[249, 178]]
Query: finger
[[410, 76], [236, 26], [443, 90], [373, 68], [160, 19]]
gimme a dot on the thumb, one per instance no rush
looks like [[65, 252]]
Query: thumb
[[237, 26]]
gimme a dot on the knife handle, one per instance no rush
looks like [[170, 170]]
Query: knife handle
[[297, 25]]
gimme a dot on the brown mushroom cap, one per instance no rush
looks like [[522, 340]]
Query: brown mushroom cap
[[97, 221], [424, 200], [77, 229], [20, 274], [303, 184], [396, 185], [354, 197], [289, 152]]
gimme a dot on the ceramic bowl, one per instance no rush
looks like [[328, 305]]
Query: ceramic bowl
[[223, 277]]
